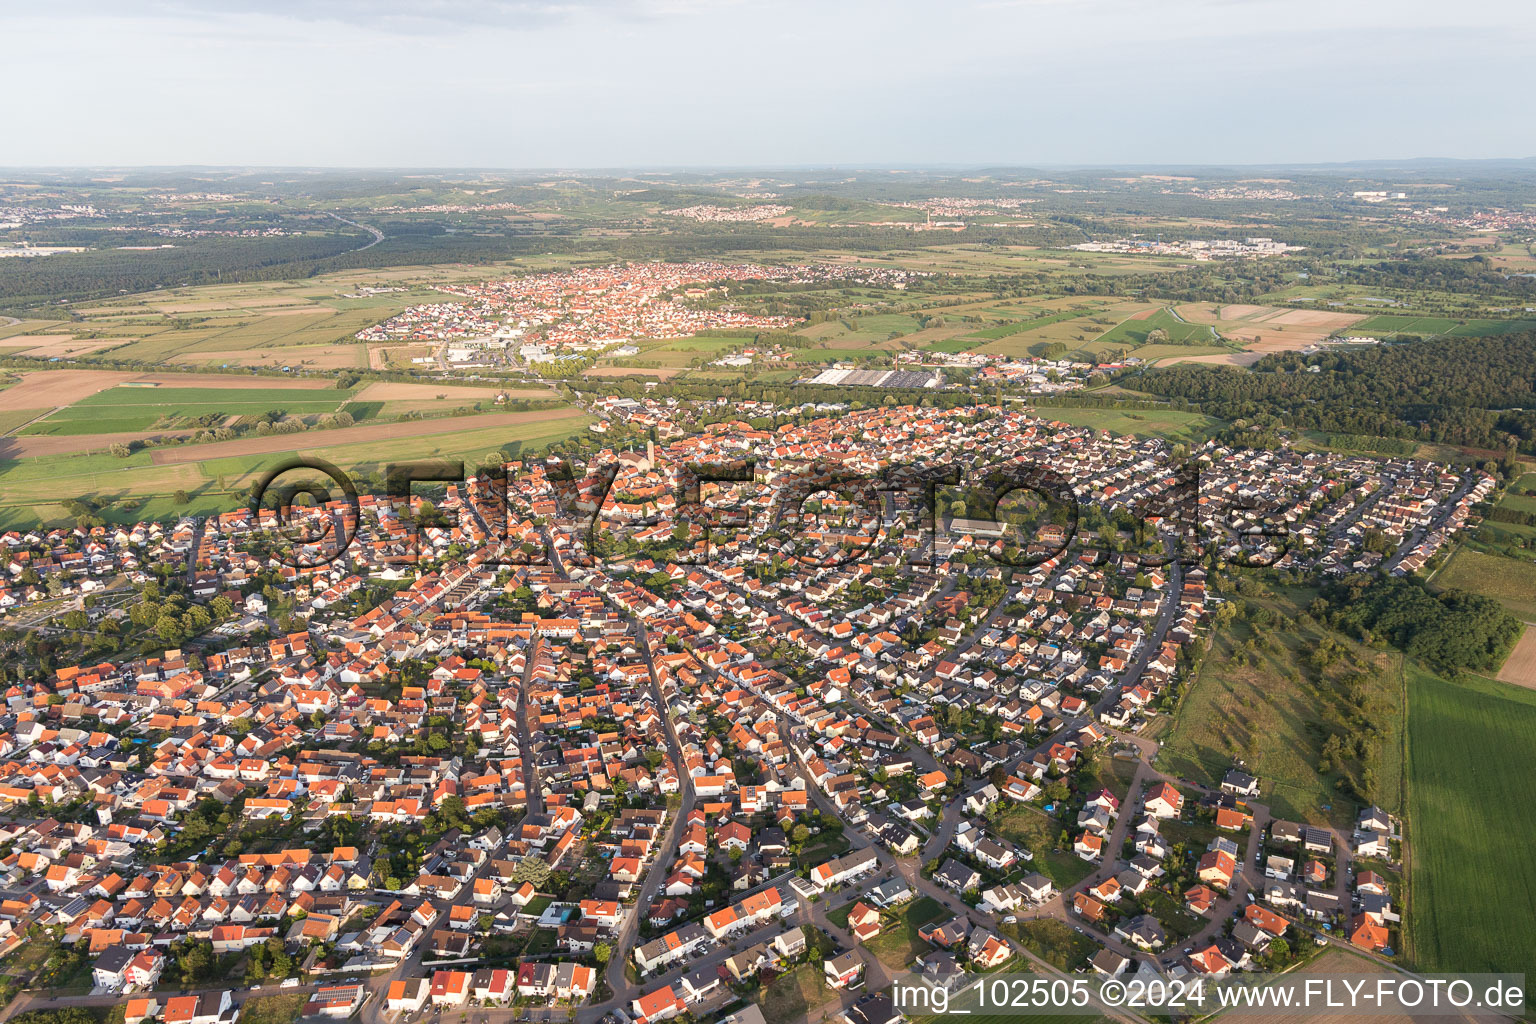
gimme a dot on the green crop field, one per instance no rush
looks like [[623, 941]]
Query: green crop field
[[1173, 353], [32, 491], [1133, 333], [1510, 581], [1511, 540], [1472, 808], [953, 345], [1492, 328], [10, 419], [26, 327], [122, 409], [1174, 424], [361, 412], [885, 323], [1020, 326], [1390, 323]]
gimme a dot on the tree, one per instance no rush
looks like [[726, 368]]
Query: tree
[[1055, 791], [168, 628], [531, 869], [196, 961], [601, 952]]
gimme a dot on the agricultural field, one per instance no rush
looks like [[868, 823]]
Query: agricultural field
[[1275, 714], [129, 407], [1472, 798], [268, 324], [1511, 582], [1521, 494], [390, 399], [779, 376], [11, 328], [886, 323], [1512, 258], [672, 354], [1519, 669], [1020, 326], [379, 443], [216, 477], [41, 405], [1511, 540], [1505, 539], [397, 357], [1133, 332], [939, 339], [57, 346], [1082, 333], [1387, 324], [977, 258], [1170, 354], [53, 389], [1260, 330], [847, 333], [1174, 424]]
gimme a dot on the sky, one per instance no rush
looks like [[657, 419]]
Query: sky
[[743, 83]]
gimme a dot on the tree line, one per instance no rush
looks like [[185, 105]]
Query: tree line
[[1477, 392], [1451, 632]]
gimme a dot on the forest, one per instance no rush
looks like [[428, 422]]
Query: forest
[[1450, 632], [1476, 275], [1478, 392], [28, 283]]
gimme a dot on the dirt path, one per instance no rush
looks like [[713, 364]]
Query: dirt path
[[386, 391], [33, 446]]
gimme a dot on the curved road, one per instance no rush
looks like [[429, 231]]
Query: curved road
[[378, 236]]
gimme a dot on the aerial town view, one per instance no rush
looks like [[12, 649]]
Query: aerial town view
[[602, 526]]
